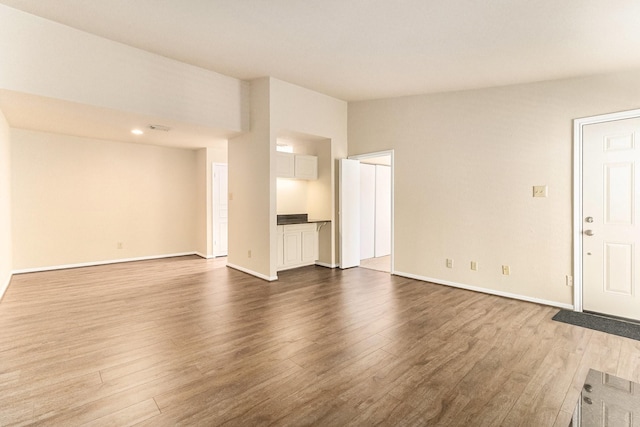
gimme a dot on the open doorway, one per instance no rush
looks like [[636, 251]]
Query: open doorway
[[376, 210]]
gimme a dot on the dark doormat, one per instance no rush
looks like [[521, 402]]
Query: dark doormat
[[599, 323]]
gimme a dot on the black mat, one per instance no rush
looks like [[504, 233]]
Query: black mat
[[599, 323]]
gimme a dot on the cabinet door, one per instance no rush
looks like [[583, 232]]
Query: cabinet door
[[292, 248], [280, 257], [306, 167], [285, 165], [309, 245]]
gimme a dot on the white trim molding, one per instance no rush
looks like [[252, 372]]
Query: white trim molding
[[201, 255], [325, 264], [95, 263], [485, 290], [253, 273], [4, 286], [578, 125]]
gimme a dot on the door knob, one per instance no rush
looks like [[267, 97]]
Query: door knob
[[589, 219], [588, 232]]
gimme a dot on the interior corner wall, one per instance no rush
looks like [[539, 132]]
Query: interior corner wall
[[203, 187], [74, 199], [465, 164], [6, 264], [251, 190]]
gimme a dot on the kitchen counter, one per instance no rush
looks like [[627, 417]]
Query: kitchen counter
[[297, 219]]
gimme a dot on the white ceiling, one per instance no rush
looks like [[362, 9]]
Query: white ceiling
[[366, 49]]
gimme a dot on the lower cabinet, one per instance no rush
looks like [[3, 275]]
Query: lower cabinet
[[297, 245]]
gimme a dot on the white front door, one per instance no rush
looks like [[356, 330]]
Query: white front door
[[220, 209], [611, 212]]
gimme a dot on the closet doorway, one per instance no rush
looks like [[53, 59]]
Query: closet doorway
[[376, 212]]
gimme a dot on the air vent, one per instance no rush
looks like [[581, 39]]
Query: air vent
[[160, 128]]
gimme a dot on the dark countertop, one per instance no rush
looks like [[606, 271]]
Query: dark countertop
[[297, 219]]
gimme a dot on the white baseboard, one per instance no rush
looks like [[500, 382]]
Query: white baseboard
[[324, 264], [4, 286], [486, 291], [94, 263], [253, 273], [201, 255]]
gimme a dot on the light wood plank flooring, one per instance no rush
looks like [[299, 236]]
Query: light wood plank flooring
[[188, 341], [382, 263]]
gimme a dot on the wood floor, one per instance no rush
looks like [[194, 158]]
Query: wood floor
[[189, 341], [382, 263]]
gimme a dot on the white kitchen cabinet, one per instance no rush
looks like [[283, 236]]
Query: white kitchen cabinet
[[297, 166], [285, 165], [306, 167], [297, 245], [280, 261]]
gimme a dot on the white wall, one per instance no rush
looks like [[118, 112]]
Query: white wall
[[465, 164], [5, 206], [74, 199], [49, 59], [292, 196]]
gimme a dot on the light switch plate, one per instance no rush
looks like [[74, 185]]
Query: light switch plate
[[539, 191]]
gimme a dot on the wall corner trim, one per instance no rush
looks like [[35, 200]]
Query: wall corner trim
[[485, 290], [201, 255], [253, 273]]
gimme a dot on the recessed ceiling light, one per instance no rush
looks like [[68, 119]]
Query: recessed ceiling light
[[137, 132]]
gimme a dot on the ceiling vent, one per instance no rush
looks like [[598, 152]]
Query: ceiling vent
[[160, 128]]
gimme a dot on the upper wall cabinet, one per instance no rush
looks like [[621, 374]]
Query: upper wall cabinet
[[306, 167], [296, 166], [285, 165]]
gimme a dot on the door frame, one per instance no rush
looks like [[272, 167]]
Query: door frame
[[214, 248], [578, 141], [391, 155]]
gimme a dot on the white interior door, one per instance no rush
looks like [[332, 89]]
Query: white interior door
[[383, 211], [607, 400], [349, 212], [611, 189], [220, 209], [367, 210]]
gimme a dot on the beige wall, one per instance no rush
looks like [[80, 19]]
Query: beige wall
[[202, 213], [276, 107], [5, 205], [465, 164], [74, 199], [251, 207], [302, 111]]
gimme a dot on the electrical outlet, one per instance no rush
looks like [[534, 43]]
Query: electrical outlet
[[506, 270], [539, 191], [569, 280], [249, 253], [449, 263], [474, 265]]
